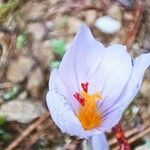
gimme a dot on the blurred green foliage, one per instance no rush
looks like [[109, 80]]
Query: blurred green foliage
[[4, 136], [21, 40], [54, 64], [12, 93], [58, 46], [2, 121], [7, 8]]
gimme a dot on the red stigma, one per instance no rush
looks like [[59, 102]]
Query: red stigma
[[85, 86], [78, 96]]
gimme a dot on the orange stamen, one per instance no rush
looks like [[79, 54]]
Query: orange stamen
[[88, 114]]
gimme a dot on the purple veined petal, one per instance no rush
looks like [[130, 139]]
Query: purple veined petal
[[99, 142], [84, 51], [112, 74], [63, 115], [112, 115]]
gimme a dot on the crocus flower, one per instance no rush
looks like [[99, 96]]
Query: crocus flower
[[93, 86]]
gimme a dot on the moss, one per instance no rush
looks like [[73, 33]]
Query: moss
[[7, 8]]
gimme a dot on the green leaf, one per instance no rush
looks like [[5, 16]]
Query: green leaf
[[2, 120], [58, 46], [5, 137], [1, 132], [21, 40], [11, 94]]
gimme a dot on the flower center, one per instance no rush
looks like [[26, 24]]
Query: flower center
[[88, 113]]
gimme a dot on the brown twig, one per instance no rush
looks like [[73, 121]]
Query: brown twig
[[120, 136], [19, 139], [136, 137], [132, 135], [131, 132], [38, 134], [134, 26]]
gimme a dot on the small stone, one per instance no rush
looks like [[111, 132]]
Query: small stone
[[21, 111], [146, 43], [60, 23], [145, 89], [107, 25], [135, 109], [23, 95], [136, 50], [37, 30], [49, 25], [128, 16], [43, 53], [74, 24], [90, 16], [115, 12], [35, 82], [19, 69]]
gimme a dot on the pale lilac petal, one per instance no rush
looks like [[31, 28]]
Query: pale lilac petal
[[113, 114], [60, 109], [63, 115], [112, 75], [99, 142], [84, 53], [140, 64]]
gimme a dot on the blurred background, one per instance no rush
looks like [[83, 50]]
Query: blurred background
[[34, 35]]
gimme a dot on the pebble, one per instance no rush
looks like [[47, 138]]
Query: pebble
[[35, 82], [128, 16], [74, 24], [135, 109], [90, 17], [21, 111], [115, 12], [43, 53], [107, 25], [37, 30], [19, 69], [146, 43], [49, 25], [145, 89]]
